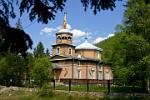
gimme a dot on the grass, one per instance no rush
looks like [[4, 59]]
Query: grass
[[20, 95], [98, 88]]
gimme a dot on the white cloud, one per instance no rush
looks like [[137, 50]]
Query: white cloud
[[99, 39], [49, 30], [69, 26], [76, 32]]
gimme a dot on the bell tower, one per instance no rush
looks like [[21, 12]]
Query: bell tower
[[63, 44], [64, 35]]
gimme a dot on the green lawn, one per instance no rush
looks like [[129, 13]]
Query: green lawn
[[98, 88]]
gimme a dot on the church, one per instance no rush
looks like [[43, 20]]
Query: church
[[77, 62]]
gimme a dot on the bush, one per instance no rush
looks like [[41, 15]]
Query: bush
[[46, 91]]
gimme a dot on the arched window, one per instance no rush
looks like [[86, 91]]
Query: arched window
[[69, 38], [98, 54], [65, 38], [70, 51], [79, 74], [78, 63], [57, 50], [58, 37]]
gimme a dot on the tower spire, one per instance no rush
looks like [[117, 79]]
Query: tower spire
[[65, 20]]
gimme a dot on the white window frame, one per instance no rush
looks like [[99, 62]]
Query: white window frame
[[79, 63], [98, 54], [58, 50], [79, 74]]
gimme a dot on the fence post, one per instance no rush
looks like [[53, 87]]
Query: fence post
[[69, 85], [54, 83], [87, 85], [108, 86]]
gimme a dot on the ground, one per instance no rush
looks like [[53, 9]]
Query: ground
[[12, 93]]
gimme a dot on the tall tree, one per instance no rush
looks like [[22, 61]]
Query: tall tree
[[137, 18], [11, 69], [39, 50], [47, 53], [41, 71]]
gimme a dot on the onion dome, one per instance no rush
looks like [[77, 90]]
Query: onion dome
[[64, 31], [87, 46]]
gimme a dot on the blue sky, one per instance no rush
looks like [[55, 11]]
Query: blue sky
[[85, 24]]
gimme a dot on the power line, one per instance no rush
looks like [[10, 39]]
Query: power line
[[29, 25]]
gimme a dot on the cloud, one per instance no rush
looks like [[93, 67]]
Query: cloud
[[49, 30], [99, 39], [76, 32], [79, 33]]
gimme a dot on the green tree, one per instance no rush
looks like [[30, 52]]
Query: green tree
[[39, 50], [29, 61], [47, 53], [11, 69], [137, 18], [43, 11], [42, 71]]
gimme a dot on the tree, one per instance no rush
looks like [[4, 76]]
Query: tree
[[11, 69], [137, 18], [42, 71], [29, 61], [43, 11], [39, 50], [47, 53], [16, 40], [35, 8]]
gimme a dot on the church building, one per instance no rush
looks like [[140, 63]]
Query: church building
[[77, 62]]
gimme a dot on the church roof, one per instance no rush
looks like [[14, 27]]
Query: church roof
[[87, 46]]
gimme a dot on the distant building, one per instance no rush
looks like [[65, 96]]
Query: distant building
[[77, 62]]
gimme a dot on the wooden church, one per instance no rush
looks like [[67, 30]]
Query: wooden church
[[77, 62]]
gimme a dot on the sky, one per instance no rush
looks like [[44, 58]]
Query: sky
[[82, 24]]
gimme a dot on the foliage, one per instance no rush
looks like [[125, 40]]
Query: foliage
[[39, 50], [13, 40], [42, 71], [129, 49], [11, 69], [47, 53], [137, 18], [46, 91]]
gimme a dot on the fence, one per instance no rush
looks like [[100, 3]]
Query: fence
[[93, 85], [87, 85]]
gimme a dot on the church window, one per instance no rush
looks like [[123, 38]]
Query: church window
[[79, 74], [69, 38], [78, 63], [58, 51], [97, 54], [70, 51], [100, 75], [58, 37], [65, 38], [92, 73]]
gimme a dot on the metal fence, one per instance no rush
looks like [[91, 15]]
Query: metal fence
[[94, 85], [85, 85]]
